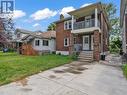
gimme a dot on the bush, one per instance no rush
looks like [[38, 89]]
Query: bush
[[53, 52], [125, 70], [74, 56], [11, 50]]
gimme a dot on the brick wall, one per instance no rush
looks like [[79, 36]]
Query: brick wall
[[105, 33], [60, 35], [96, 51]]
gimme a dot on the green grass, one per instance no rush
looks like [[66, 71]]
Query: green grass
[[125, 70], [14, 67]]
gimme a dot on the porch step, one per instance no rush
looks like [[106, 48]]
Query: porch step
[[86, 56]]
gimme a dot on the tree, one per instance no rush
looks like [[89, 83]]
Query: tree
[[111, 10], [114, 20], [51, 27]]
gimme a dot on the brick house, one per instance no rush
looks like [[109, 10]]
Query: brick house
[[86, 30], [123, 24]]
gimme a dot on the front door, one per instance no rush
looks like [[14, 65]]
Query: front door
[[86, 43]]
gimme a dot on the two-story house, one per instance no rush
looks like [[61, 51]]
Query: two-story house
[[123, 24], [86, 30]]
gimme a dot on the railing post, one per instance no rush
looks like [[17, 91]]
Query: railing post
[[96, 18], [72, 22]]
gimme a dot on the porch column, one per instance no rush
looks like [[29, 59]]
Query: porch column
[[72, 22], [96, 50], [96, 17]]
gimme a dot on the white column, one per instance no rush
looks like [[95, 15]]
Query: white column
[[72, 23], [96, 17]]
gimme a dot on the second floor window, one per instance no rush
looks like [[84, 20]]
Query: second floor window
[[45, 42], [37, 42], [67, 25]]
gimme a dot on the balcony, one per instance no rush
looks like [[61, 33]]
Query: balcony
[[84, 24]]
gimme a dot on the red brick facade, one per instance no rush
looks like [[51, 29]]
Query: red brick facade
[[100, 36], [60, 35], [96, 51]]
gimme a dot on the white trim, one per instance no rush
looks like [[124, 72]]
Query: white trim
[[72, 22], [86, 46], [67, 42], [67, 24], [63, 52], [96, 18], [85, 30], [92, 43]]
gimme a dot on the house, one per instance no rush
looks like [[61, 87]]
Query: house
[[86, 31], [123, 24], [32, 43]]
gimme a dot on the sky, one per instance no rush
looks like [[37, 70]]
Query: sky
[[36, 15]]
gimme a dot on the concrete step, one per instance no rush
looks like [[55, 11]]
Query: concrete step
[[86, 60], [86, 56]]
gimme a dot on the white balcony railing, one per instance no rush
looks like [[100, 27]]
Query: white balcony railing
[[84, 24]]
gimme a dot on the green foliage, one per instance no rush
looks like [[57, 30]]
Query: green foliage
[[113, 19], [115, 45], [74, 56], [51, 27], [115, 33], [11, 50], [14, 67], [125, 70]]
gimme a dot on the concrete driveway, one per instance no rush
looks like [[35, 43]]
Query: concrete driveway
[[73, 79]]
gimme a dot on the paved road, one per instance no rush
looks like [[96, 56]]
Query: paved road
[[73, 79]]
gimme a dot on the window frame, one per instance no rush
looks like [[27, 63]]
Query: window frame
[[67, 25], [37, 42], [45, 44], [66, 39]]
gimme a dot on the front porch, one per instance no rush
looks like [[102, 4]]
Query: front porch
[[90, 41]]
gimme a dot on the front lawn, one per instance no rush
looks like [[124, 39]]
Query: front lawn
[[125, 70], [15, 67]]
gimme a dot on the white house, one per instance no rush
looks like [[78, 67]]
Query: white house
[[42, 42]]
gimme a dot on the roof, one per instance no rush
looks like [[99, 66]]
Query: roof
[[98, 5], [43, 35], [61, 20], [48, 34]]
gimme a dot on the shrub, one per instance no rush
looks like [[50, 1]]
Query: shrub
[[53, 52], [125, 70], [74, 56], [11, 50]]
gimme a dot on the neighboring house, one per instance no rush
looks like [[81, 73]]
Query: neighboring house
[[123, 24], [44, 42], [38, 41], [86, 30]]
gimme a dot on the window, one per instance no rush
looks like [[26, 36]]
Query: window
[[67, 25], [86, 40], [37, 42], [74, 40], [45, 42], [66, 41]]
